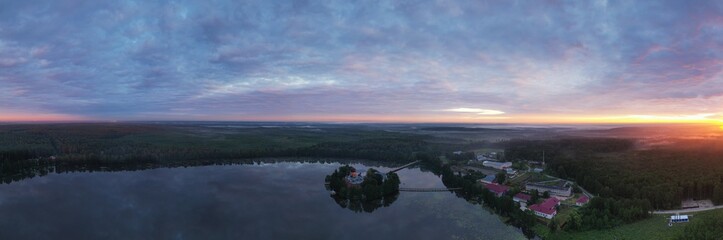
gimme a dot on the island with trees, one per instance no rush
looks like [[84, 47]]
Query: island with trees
[[348, 183]]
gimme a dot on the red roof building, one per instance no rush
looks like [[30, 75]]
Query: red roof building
[[497, 189], [582, 200], [547, 208], [521, 197]]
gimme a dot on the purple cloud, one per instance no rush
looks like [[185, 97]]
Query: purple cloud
[[204, 59]]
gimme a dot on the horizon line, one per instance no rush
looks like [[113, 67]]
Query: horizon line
[[362, 122]]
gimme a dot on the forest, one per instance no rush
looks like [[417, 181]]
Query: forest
[[629, 181], [35, 150], [613, 168]]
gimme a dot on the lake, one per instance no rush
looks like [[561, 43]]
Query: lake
[[285, 200]]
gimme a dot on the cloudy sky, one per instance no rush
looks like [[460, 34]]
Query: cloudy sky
[[399, 61]]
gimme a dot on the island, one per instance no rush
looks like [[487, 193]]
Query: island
[[349, 183]]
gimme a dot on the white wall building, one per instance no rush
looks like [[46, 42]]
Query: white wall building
[[563, 191], [497, 165]]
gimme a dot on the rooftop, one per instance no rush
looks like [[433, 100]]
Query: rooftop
[[523, 196], [678, 217], [546, 207], [496, 188], [583, 199]]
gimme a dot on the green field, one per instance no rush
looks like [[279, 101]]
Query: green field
[[653, 228], [538, 177]]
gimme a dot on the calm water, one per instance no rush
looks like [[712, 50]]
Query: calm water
[[266, 201]]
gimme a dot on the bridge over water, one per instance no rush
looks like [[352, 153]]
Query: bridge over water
[[405, 165], [427, 189]]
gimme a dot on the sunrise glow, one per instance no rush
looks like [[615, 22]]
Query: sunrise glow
[[450, 61]]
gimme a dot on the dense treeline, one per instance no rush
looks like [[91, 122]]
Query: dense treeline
[[602, 213], [628, 181], [35, 150], [383, 149], [460, 156], [558, 148], [664, 177]]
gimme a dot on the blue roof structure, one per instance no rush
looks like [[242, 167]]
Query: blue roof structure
[[489, 178]]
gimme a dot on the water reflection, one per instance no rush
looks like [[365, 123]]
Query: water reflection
[[261, 201], [368, 206]]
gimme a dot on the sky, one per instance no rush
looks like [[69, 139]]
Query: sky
[[362, 61]]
